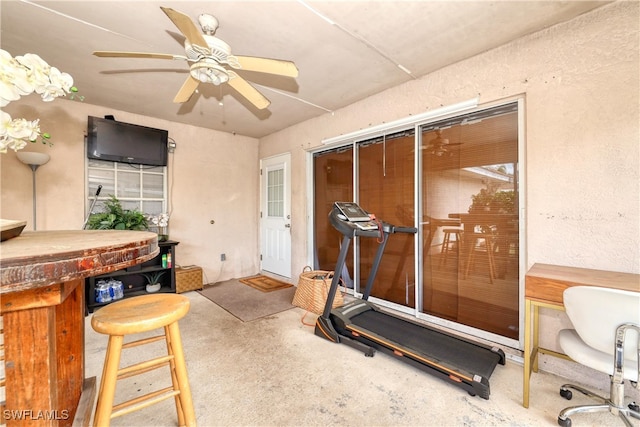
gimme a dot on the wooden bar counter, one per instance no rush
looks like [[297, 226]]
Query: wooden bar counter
[[42, 305]]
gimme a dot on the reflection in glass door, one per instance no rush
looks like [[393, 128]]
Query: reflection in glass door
[[469, 204], [386, 187], [457, 179], [332, 181]]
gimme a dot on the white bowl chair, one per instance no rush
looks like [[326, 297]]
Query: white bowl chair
[[605, 338]]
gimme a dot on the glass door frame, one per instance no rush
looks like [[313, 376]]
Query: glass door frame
[[417, 122]]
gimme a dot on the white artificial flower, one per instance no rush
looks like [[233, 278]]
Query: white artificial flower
[[13, 144], [15, 133], [21, 76], [57, 85], [13, 79], [160, 220], [37, 69], [163, 220]]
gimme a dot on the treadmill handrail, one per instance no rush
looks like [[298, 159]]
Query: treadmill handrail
[[408, 230]]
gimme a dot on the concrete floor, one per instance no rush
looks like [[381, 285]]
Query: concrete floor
[[275, 372]]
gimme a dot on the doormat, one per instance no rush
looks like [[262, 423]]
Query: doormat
[[264, 283], [247, 303]]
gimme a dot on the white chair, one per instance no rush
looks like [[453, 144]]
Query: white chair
[[605, 338]]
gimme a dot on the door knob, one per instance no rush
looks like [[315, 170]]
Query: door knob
[[287, 225]]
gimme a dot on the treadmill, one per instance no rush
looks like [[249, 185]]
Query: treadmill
[[366, 327]]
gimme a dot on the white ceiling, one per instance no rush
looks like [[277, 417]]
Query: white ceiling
[[360, 54]]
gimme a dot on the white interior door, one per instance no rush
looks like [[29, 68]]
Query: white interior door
[[275, 215]]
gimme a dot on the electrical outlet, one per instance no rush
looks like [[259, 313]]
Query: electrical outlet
[[223, 257]]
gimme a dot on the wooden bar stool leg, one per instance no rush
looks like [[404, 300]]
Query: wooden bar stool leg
[[470, 256], [444, 251], [447, 242], [186, 402], [488, 241], [108, 382], [174, 378]]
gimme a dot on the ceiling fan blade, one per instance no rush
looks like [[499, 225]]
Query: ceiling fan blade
[[267, 65], [186, 27], [245, 89], [188, 87], [110, 54]]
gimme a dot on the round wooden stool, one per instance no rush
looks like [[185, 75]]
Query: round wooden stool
[[135, 315], [447, 243], [480, 242]]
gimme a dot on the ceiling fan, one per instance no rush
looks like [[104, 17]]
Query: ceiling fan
[[439, 145], [211, 60]]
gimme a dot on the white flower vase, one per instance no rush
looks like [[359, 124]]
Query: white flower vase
[[163, 235]]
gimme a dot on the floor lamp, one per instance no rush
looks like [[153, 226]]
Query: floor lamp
[[34, 160]]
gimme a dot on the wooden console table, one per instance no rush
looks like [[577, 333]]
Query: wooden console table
[[544, 286], [42, 305]]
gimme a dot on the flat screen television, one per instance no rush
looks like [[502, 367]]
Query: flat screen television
[[126, 143]]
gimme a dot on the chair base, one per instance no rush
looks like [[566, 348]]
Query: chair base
[[624, 412]]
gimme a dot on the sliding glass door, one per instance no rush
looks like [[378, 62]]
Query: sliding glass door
[[332, 182], [386, 185], [457, 181], [469, 220]]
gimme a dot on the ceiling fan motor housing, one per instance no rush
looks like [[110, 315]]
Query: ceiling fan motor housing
[[216, 49], [208, 23]]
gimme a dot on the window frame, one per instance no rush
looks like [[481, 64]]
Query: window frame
[[352, 140], [140, 203]]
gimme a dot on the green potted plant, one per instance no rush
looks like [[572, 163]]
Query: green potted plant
[[490, 200], [115, 217], [481, 202], [504, 202], [153, 284]]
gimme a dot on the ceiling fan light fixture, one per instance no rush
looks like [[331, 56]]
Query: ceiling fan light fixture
[[439, 141], [207, 72]]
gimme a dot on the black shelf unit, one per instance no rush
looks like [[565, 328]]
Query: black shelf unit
[[132, 277]]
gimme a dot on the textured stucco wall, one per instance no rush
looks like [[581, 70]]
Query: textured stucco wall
[[212, 176], [580, 83]]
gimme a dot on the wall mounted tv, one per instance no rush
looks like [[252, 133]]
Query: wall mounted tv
[[115, 141]]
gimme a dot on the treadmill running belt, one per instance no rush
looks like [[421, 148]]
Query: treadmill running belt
[[433, 345]]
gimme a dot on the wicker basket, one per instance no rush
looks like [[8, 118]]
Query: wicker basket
[[312, 291], [188, 278]]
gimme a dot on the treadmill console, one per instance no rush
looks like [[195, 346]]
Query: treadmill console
[[352, 212], [351, 220]]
